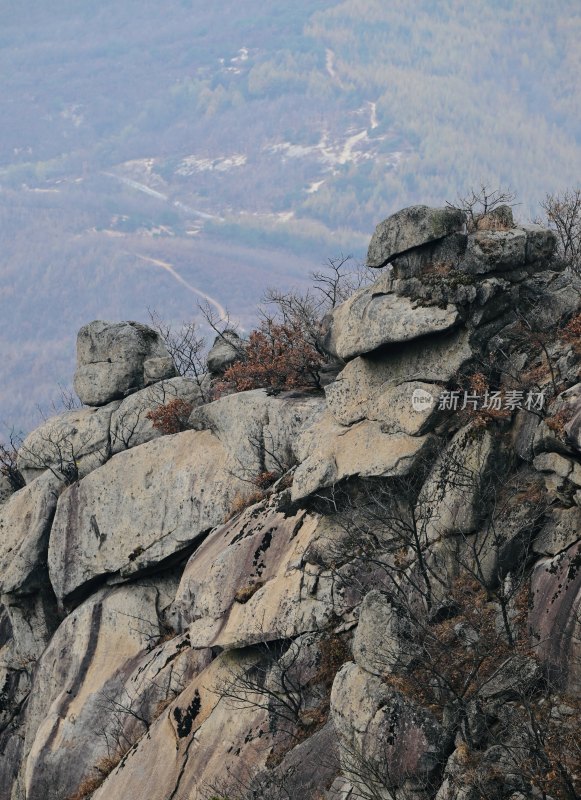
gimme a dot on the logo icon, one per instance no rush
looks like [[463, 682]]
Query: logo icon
[[422, 400]]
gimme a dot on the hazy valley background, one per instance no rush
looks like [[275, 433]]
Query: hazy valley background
[[153, 153]]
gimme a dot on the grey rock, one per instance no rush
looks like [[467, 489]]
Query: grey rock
[[25, 523], [561, 530], [98, 683], [379, 725], [144, 506], [372, 318], [248, 582], [130, 425], [382, 644], [6, 489], [231, 745], [554, 617], [257, 430], [499, 218], [572, 399], [112, 360], [541, 244], [491, 251], [329, 453], [523, 434], [448, 503], [361, 387], [71, 445], [431, 259], [158, 369], [409, 228], [226, 350]]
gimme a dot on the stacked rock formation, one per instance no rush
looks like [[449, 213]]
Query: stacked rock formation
[[175, 625]]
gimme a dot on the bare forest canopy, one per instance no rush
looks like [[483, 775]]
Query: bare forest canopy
[[154, 154]]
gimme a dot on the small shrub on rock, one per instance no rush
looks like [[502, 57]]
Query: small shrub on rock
[[278, 357], [171, 417]]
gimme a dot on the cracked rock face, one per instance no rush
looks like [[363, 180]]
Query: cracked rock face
[[115, 359]]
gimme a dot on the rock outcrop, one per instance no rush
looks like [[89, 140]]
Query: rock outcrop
[[115, 359], [371, 590]]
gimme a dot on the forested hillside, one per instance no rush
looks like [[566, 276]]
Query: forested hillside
[[234, 145]]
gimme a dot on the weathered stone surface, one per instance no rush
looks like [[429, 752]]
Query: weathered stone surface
[[449, 500], [6, 489], [112, 360], [541, 243], [98, 683], [561, 530], [130, 426], [411, 227], [489, 251], [382, 644], [372, 318], [555, 616], [25, 522], [430, 259], [258, 431], [33, 620], [72, 444], [227, 349], [328, 453], [377, 723], [361, 387], [201, 741], [572, 399], [142, 507], [523, 434], [562, 476], [249, 582]]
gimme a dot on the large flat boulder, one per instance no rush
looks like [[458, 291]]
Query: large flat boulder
[[228, 348], [259, 430], [99, 683], [360, 389], [117, 358], [71, 444], [412, 227], [144, 506], [203, 740], [374, 317], [25, 522], [328, 453], [249, 582]]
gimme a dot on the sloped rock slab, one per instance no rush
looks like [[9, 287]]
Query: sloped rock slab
[[249, 582], [98, 684], [555, 617], [142, 507]]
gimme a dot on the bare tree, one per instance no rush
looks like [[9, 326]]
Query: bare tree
[[563, 215], [480, 202]]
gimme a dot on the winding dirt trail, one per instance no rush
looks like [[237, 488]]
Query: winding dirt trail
[[176, 276]]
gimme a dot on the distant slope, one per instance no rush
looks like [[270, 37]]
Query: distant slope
[[278, 133]]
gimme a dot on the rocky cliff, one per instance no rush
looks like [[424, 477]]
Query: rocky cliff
[[392, 612]]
